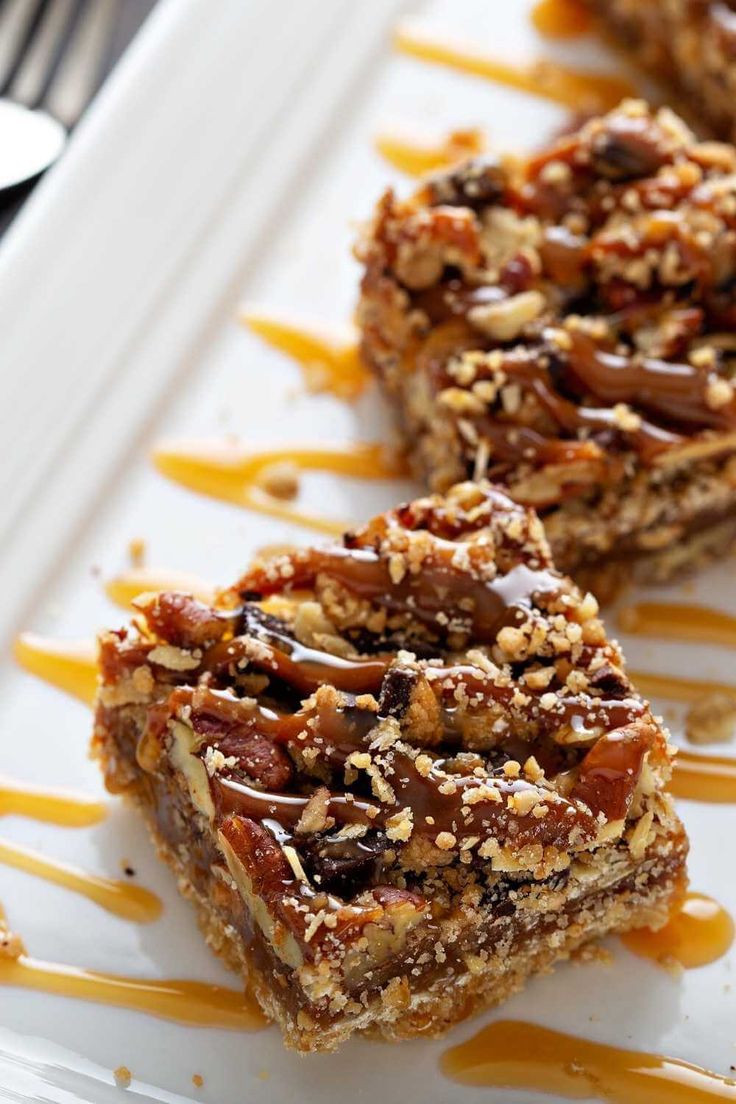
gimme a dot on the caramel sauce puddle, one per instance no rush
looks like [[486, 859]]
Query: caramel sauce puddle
[[572, 88], [124, 588], [194, 1003], [561, 18], [511, 1054], [416, 157], [130, 902], [69, 665], [327, 354], [699, 932], [232, 473]]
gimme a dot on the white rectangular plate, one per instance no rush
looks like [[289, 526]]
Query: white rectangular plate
[[229, 159]]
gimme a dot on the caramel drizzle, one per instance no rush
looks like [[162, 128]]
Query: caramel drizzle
[[69, 665], [130, 902], [668, 390], [709, 778], [699, 932], [572, 88], [232, 473], [124, 588], [194, 1003], [676, 688], [512, 1054], [561, 18], [49, 806], [366, 574], [679, 622], [697, 777], [676, 391], [304, 669], [327, 355], [604, 784], [417, 157]]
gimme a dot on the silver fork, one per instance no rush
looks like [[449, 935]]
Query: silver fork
[[52, 55]]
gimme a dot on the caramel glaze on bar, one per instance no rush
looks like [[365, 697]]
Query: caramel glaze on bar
[[292, 722], [568, 313]]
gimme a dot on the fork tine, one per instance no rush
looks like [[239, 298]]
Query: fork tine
[[29, 33], [58, 51], [81, 67]]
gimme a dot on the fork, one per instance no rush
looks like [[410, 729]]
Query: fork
[[52, 55]]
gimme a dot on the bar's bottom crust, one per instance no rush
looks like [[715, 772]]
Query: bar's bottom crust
[[643, 898]]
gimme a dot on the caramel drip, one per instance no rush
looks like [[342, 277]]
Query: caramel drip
[[124, 588], [49, 806], [327, 354], [679, 622], [511, 1054], [194, 1003], [561, 18], [232, 473], [677, 689], [572, 88], [704, 777], [700, 932], [416, 157], [131, 902], [68, 664]]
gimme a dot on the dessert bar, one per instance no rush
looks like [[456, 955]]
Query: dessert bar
[[690, 44], [564, 325], [396, 775]]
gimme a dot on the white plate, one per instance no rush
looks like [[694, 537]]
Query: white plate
[[229, 160]]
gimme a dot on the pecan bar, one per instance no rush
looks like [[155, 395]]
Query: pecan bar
[[690, 44], [564, 325], [396, 775]]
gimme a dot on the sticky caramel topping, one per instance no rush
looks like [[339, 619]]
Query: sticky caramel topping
[[430, 691], [569, 315]]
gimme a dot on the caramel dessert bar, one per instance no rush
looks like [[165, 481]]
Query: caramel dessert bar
[[690, 44], [564, 325], [396, 775]]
